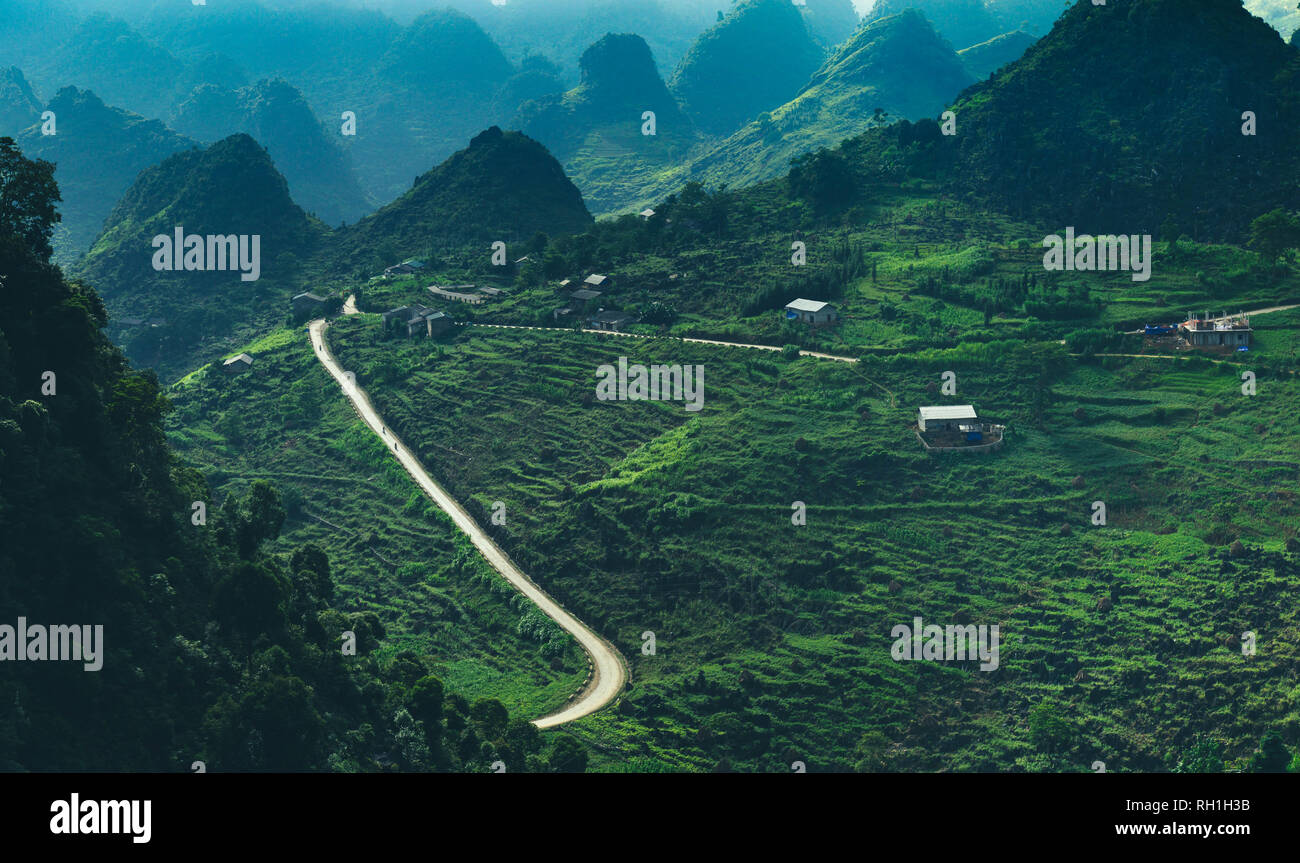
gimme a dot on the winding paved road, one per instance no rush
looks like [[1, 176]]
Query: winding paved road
[[608, 670]]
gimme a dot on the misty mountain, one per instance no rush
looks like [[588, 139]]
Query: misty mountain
[[19, 107], [320, 174], [756, 58], [597, 129], [98, 151], [830, 21], [897, 65], [104, 54]]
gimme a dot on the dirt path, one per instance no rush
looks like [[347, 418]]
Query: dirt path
[[608, 670], [802, 353]]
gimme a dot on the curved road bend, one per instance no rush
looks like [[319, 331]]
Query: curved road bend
[[609, 673]]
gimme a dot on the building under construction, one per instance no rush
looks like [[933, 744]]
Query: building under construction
[[1226, 331]]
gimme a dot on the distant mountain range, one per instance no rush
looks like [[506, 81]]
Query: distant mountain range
[[319, 172], [896, 65], [98, 151]]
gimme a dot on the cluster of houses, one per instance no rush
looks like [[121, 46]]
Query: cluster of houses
[[416, 320], [584, 303]]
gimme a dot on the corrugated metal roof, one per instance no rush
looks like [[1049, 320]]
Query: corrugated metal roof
[[802, 305], [948, 412]]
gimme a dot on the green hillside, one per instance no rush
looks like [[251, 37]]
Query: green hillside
[[984, 59], [174, 320]]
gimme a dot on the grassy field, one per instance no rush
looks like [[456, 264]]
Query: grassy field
[[1120, 642], [393, 552]]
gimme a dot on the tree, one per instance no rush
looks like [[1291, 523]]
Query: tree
[[1205, 755], [490, 717], [1272, 757], [567, 756], [259, 517], [1048, 729], [425, 703], [1274, 233], [823, 179], [28, 194]]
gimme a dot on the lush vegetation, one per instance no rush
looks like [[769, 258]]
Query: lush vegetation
[[772, 638], [218, 645]]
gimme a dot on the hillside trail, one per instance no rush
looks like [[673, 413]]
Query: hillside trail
[[608, 669]]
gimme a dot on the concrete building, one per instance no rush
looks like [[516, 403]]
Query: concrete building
[[1228, 331], [812, 312]]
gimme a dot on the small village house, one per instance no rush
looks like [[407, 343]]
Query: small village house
[[813, 312], [612, 320], [306, 304], [595, 280], [237, 364], [938, 418]]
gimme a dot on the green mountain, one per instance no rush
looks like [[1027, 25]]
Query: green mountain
[[99, 150], [897, 65], [168, 318], [19, 107], [751, 61], [597, 129], [320, 174], [503, 187], [984, 59], [1160, 149]]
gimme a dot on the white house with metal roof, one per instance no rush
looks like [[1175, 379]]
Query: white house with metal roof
[[813, 312], [946, 417]]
